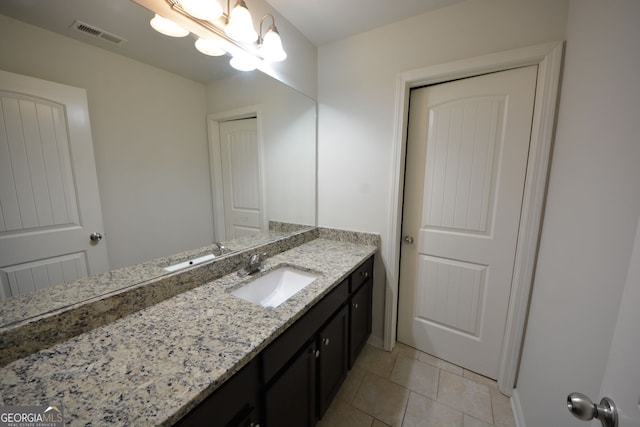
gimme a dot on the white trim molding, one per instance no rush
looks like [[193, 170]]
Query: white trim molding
[[548, 58], [215, 163], [516, 408]]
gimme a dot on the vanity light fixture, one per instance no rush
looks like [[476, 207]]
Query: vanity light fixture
[[209, 10], [167, 27], [240, 24], [231, 33], [210, 47], [243, 61], [270, 46]]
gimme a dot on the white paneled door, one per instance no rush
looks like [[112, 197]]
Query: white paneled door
[[467, 150], [241, 177], [49, 202]]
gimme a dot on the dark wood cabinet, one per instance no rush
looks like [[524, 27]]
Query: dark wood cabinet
[[362, 274], [235, 404], [333, 346], [290, 400], [276, 356], [360, 319], [292, 382], [324, 328]]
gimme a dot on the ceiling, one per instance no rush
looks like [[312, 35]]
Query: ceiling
[[326, 21], [125, 19], [321, 22]]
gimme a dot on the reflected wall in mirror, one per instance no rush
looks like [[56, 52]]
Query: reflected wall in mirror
[[149, 129]]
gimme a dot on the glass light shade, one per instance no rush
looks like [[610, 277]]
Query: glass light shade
[[271, 48], [210, 47], [244, 62], [167, 27], [208, 10], [240, 26]]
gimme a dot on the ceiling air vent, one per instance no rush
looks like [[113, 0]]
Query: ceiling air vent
[[96, 32]]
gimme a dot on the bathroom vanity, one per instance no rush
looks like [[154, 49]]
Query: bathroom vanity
[[293, 380], [205, 356]]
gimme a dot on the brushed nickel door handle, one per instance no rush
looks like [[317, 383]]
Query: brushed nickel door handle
[[584, 409]]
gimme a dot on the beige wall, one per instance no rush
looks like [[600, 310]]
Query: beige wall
[[356, 87], [149, 136], [593, 205], [289, 140]]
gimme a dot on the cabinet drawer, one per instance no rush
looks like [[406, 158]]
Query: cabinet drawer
[[361, 275], [285, 347]]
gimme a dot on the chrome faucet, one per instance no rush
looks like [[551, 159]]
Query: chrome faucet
[[254, 265], [222, 247]]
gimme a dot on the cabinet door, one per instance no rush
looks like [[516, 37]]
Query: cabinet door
[[360, 320], [290, 401], [251, 420], [333, 343]]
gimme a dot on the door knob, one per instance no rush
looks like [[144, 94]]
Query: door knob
[[584, 409], [95, 237], [408, 239]]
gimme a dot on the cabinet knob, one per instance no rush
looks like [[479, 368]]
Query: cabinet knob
[[355, 306], [317, 353], [365, 274], [326, 341]]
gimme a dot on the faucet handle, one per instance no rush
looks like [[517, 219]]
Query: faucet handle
[[221, 247]]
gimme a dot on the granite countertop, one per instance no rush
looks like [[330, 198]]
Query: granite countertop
[[153, 366], [26, 306]]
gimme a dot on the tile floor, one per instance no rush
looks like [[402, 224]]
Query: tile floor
[[409, 388]]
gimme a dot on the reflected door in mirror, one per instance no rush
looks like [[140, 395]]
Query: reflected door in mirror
[[49, 203], [241, 178]]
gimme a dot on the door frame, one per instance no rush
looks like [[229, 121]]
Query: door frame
[[548, 57], [215, 163]]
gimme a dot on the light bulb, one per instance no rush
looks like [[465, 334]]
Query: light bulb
[[167, 27], [244, 62], [240, 26], [209, 47], [209, 10], [271, 48]]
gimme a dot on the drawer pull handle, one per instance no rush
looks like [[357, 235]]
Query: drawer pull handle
[[365, 274], [326, 341], [355, 306], [317, 353]]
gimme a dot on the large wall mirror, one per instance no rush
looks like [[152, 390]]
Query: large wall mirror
[[153, 104]]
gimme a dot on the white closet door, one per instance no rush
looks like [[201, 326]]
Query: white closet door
[[467, 149]]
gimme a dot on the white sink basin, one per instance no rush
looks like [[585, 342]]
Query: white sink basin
[[189, 263], [275, 287]]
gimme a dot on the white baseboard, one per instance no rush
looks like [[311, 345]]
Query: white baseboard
[[516, 407]]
